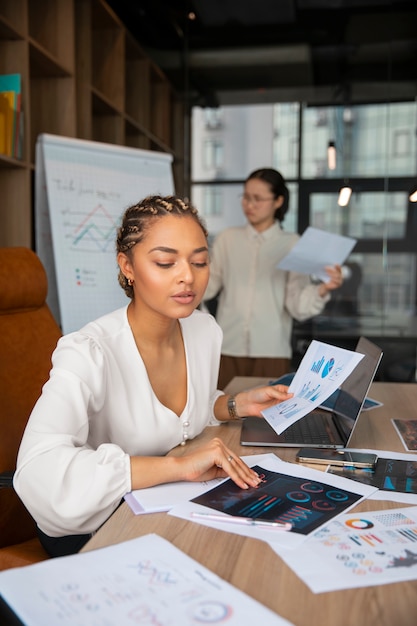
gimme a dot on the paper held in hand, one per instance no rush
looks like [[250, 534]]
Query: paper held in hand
[[315, 250], [322, 370]]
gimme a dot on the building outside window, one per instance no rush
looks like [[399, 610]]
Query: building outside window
[[213, 118], [213, 155], [375, 154], [213, 201]]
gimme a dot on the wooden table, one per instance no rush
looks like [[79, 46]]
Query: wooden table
[[252, 566]]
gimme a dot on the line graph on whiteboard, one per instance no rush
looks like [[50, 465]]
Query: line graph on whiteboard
[[82, 191], [94, 231]]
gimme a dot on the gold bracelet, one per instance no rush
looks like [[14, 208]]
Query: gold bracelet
[[231, 407]]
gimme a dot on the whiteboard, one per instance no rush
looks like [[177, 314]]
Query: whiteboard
[[82, 189]]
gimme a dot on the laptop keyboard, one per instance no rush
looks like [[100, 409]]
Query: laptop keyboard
[[311, 429]]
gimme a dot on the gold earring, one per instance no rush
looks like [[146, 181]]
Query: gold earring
[[130, 282]]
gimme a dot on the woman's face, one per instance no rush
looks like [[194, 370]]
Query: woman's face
[[259, 204], [170, 266]]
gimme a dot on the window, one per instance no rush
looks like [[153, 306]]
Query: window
[[369, 215], [213, 201], [286, 139], [402, 143], [371, 140], [376, 153], [213, 154], [213, 118], [387, 284]]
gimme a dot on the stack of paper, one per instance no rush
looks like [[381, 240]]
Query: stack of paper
[[142, 581]]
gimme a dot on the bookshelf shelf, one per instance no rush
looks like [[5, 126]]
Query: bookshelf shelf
[[13, 19], [83, 75], [7, 31], [43, 64], [9, 162], [102, 105]]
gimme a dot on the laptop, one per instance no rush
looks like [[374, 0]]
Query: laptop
[[323, 428]]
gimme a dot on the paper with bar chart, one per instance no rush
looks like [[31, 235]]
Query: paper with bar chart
[[322, 370], [358, 550], [289, 493], [83, 188]]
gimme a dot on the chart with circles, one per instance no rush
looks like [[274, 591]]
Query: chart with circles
[[360, 550], [305, 503]]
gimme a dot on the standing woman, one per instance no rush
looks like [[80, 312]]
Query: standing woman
[[132, 385], [258, 301]]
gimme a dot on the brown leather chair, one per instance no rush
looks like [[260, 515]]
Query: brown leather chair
[[28, 336]]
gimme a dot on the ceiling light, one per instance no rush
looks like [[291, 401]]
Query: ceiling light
[[344, 196], [331, 155], [413, 194]]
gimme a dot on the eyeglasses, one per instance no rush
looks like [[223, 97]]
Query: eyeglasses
[[254, 199]]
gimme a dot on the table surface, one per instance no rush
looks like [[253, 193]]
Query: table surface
[[252, 566]]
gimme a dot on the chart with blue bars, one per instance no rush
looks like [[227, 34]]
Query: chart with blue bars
[[306, 504], [318, 365]]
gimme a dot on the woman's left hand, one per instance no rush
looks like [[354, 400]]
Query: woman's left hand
[[335, 279], [255, 400]]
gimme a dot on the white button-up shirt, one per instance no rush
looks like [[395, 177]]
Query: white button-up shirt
[[97, 409], [257, 300]]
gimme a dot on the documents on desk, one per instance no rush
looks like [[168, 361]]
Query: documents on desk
[[407, 432], [164, 497], [395, 476], [307, 498], [358, 551], [350, 549], [142, 581]]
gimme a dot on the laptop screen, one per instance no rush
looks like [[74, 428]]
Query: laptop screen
[[353, 391]]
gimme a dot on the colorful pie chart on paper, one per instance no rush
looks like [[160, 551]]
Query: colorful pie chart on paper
[[359, 524]]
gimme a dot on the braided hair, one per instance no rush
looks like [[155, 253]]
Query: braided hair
[[138, 218]]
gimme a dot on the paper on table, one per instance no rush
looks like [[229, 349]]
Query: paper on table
[[395, 476], [407, 432], [143, 581], [377, 548], [164, 497], [301, 515], [320, 373], [315, 250]]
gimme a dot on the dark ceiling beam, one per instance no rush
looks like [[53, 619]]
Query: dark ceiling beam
[[295, 47]]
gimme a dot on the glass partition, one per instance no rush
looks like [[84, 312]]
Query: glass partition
[[369, 215], [377, 140], [375, 155]]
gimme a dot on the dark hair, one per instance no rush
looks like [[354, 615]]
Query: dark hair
[[278, 187], [139, 217]]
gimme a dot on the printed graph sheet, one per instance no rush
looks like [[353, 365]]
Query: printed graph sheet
[[358, 550], [142, 581]]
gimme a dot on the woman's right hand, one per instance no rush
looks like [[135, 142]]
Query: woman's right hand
[[216, 460], [212, 460]]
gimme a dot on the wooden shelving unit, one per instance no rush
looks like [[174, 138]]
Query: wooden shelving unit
[[83, 75]]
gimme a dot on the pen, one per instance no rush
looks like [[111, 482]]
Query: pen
[[244, 521]]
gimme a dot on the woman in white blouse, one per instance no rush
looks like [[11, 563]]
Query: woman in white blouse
[[132, 385], [257, 300]]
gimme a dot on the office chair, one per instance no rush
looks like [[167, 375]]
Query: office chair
[[28, 336]]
